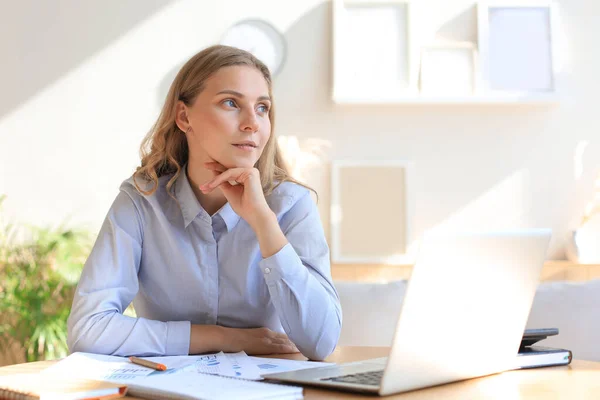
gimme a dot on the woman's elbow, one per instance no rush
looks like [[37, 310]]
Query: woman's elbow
[[78, 342], [325, 345], [88, 344], [76, 345], [321, 351], [73, 335], [85, 335]]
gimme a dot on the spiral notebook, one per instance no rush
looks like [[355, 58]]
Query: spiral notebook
[[45, 387]]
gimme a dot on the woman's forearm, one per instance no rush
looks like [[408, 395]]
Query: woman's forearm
[[269, 234], [207, 338], [214, 338]]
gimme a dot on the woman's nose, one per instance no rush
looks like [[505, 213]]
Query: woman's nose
[[249, 122]]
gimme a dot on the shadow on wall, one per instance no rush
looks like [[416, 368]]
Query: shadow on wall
[[302, 92], [304, 84], [67, 32]]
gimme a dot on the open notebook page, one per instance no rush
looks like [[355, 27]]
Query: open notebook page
[[191, 385]]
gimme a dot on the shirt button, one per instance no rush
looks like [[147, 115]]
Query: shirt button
[[267, 270]]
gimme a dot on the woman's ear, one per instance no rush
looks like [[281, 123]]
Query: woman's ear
[[181, 116]]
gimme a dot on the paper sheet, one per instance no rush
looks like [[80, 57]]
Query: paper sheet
[[236, 365], [174, 362], [273, 365]]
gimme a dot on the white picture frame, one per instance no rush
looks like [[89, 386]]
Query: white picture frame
[[371, 212], [448, 69], [362, 70], [516, 47]]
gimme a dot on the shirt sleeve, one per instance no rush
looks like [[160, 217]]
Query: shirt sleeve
[[108, 284], [300, 283]]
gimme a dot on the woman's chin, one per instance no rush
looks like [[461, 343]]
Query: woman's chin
[[238, 162]]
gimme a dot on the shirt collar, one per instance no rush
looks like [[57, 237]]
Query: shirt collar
[[190, 206], [229, 216]]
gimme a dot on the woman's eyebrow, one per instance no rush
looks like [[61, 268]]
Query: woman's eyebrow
[[238, 94]]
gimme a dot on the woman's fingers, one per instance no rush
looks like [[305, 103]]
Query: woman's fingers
[[286, 348], [281, 346], [266, 341], [229, 175], [283, 342]]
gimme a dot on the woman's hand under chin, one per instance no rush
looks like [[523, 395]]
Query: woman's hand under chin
[[242, 189]]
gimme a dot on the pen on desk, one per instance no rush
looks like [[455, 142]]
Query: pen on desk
[[149, 364]]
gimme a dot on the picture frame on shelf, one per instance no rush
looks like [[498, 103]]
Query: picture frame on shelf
[[448, 69], [361, 29], [516, 47], [363, 232]]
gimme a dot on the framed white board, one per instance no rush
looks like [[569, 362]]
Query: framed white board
[[371, 48], [515, 43]]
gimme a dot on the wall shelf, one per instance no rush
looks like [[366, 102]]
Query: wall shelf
[[488, 52]]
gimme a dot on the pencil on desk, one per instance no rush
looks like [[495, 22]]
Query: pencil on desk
[[149, 364]]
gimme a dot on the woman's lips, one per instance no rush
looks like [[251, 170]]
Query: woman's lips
[[244, 147]]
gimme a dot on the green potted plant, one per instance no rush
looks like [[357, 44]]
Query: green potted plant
[[39, 271]]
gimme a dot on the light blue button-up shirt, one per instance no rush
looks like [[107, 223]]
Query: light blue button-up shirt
[[181, 266]]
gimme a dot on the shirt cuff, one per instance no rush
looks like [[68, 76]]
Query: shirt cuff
[[178, 338], [280, 265]]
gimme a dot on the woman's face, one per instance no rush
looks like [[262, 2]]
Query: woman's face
[[230, 118]]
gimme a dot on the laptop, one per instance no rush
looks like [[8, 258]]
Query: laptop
[[463, 315]]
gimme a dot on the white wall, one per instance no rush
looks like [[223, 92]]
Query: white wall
[[82, 82]]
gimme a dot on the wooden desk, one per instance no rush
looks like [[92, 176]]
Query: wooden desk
[[580, 380], [552, 271]]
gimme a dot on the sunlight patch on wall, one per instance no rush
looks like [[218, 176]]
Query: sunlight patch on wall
[[302, 155], [506, 205]]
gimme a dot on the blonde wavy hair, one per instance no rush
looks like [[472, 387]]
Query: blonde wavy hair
[[165, 150]]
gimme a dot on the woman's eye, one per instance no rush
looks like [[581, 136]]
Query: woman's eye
[[229, 103], [263, 108]]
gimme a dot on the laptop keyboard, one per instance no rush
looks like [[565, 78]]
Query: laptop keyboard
[[372, 378]]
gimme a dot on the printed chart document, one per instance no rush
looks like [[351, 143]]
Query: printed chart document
[[273, 365], [235, 365]]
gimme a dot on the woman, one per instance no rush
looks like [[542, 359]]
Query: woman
[[216, 245]]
